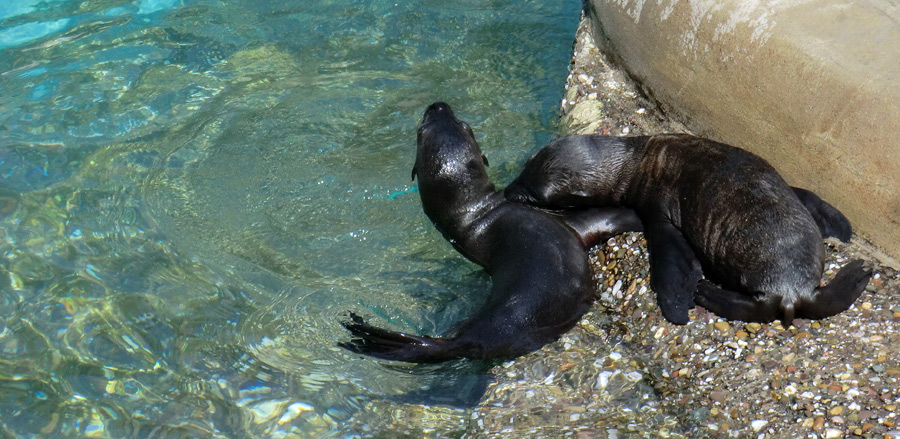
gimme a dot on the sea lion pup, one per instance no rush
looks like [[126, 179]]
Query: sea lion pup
[[537, 260], [708, 209]]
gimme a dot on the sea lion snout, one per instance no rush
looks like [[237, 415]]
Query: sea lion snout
[[438, 107], [440, 127], [436, 111]]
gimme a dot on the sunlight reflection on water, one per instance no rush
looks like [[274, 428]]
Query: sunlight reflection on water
[[195, 193]]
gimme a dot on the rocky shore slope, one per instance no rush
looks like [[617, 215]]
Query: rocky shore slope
[[624, 372]]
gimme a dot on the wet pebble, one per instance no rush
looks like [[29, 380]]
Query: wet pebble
[[758, 424]]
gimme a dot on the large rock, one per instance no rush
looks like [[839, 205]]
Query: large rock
[[812, 86]]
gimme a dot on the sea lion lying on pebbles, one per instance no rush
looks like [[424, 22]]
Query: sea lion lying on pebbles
[[708, 209], [537, 260]]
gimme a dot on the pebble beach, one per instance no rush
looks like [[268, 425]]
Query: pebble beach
[[624, 372]]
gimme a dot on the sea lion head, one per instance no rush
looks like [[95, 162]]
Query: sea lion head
[[450, 167], [447, 149]]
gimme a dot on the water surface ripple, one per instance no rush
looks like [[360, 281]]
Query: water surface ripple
[[194, 193]]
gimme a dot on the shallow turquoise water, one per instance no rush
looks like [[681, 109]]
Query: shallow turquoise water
[[193, 194]]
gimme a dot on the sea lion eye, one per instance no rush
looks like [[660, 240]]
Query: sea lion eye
[[468, 129]]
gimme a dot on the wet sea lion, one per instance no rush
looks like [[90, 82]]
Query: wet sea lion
[[537, 260], [708, 209]]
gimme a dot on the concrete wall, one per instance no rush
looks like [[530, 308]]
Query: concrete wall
[[812, 86]]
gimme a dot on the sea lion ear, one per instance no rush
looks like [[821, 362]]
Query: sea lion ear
[[484, 159], [414, 173]]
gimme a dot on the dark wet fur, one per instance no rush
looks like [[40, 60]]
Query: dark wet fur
[[541, 280], [708, 209]]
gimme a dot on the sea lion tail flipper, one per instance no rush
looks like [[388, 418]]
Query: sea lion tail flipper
[[674, 270], [390, 345], [831, 221], [838, 295], [733, 305], [598, 224]]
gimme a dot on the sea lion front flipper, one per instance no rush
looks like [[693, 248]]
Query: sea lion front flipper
[[598, 224], [733, 305], [831, 221], [838, 295], [674, 270]]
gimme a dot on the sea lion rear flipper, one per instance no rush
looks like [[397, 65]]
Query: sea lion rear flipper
[[733, 305], [596, 225], [838, 295], [389, 345], [674, 270], [831, 221]]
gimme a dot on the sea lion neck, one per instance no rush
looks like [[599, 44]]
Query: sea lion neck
[[615, 168]]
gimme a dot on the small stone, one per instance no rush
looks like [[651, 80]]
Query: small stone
[[603, 379], [741, 334], [832, 433], [699, 414], [752, 327], [617, 288], [836, 411], [818, 423], [808, 423], [722, 326], [758, 425], [790, 390], [717, 396], [634, 376], [586, 112]]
